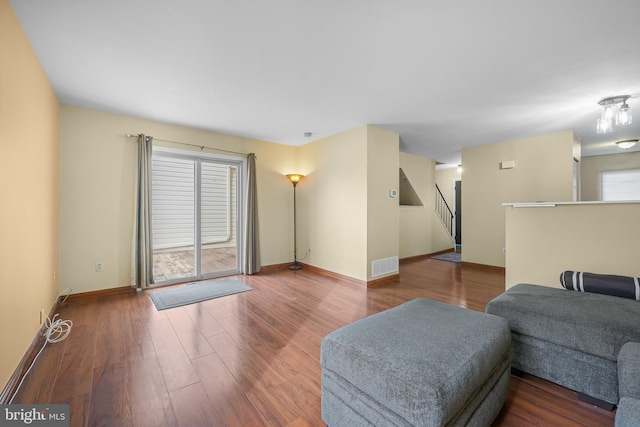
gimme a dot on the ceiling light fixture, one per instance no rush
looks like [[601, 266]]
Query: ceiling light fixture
[[610, 110], [626, 144]]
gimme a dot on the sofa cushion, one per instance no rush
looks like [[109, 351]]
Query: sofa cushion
[[591, 323], [628, 412], [607, 284], [629, 370]]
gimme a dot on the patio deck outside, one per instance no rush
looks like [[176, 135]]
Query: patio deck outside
[[176, 263]]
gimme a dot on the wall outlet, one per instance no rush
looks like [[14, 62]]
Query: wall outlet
[[99, 266], [504, 251]]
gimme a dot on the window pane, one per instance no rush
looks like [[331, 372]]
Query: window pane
[[621, 185], [218, 218], [173, 216]]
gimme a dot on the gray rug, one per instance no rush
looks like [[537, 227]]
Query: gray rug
[[197, 292], [449, 256]]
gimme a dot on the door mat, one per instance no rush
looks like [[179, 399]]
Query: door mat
[[197, 292]]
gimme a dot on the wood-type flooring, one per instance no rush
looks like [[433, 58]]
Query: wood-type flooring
[[252, 359]]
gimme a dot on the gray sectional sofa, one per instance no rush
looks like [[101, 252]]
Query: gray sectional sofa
[[575, 339]]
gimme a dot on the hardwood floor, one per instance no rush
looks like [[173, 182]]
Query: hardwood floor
[[251, 359]]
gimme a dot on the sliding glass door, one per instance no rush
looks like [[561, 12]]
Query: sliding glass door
[[197, 205], [218, 218]]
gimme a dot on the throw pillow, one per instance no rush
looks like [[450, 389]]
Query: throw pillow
[[608, 284]]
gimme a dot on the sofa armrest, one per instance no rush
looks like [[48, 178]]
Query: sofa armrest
[[629, 370], [628, 413]]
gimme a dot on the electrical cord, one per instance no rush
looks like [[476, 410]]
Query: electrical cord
[[305, 255], [56, 331]]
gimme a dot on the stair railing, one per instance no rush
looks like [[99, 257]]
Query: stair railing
[[445, 214]]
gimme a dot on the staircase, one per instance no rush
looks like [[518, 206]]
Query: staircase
[[445, 214]]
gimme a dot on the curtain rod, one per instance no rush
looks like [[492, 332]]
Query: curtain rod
[[201, 147]]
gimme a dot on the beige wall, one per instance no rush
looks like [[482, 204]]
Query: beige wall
[[543, 171], [415, 221], [421, 232], [542, 242], [346, 217], [591, 168], [29, 189], [97, 193], [332, 203], [382, 210]]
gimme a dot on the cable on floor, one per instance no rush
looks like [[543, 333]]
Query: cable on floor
[[56, 330]]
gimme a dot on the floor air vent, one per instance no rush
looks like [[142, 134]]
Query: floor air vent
[[383, 266]]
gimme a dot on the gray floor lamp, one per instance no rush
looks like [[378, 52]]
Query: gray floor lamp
[[295, 179]]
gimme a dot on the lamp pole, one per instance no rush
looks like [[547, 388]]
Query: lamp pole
[[295, 178]]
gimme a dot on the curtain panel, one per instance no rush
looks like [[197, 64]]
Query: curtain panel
[[142, 250], [251, 258]]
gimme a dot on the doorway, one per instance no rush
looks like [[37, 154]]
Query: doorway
[[457, 212], [196, 211]]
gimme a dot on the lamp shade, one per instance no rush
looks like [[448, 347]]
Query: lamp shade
[[608, 112], [294, 177], [624, 115], [604, 125]]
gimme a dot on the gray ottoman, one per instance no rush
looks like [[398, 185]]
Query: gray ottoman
[[423, 363]]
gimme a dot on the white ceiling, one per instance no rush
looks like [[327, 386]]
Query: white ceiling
[[444, 75]]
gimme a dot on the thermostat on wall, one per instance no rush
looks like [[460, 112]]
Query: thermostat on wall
[[393, 193], [508, 165]]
